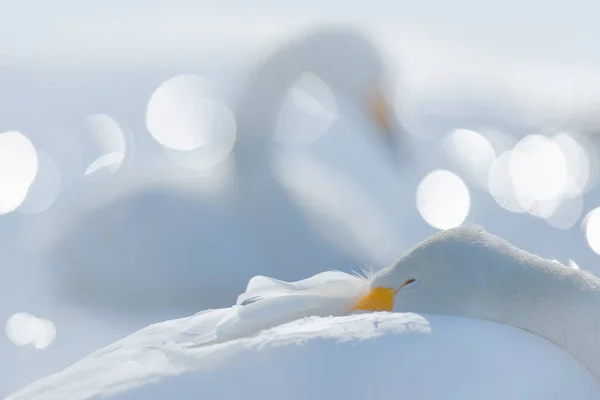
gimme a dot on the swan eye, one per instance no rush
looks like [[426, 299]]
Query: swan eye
[[411, 283], [250, 300]]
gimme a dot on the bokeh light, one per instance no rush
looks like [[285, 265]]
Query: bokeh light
[[181, 114], [45, 188], [538, 168], [307, 113], [196, 131], [443, 199], [109, 143], [23, 329], [502, 188], [18, 168], [567, 213], [472, 153], [110, 162], [578, 166], [544, 176], [591, 226]]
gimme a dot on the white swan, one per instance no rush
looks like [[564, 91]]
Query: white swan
[[467, 272], [464, 272], [164, 242]]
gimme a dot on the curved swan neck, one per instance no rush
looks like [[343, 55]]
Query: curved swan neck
[[258, 108], [471, 273], [341, 56], [557, 303]]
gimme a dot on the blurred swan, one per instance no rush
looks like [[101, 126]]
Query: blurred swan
[[161, 238], [328, 203]]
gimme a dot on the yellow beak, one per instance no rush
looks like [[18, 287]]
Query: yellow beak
[[378, 299]]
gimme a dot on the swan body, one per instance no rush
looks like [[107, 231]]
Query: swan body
[[296, 340]]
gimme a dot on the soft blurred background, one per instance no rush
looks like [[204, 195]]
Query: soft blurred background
[[156, 155]]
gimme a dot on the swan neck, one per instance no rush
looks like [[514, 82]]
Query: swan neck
[[258, 109], [561, 305]]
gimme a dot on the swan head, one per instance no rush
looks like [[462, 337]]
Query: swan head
[[464, 271], [353, 67], [347, 61]]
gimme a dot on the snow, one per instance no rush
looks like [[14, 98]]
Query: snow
[[371, 355]]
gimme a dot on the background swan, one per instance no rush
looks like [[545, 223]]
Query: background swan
[[196, 248]]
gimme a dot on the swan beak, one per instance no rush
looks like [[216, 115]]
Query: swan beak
[[380, 111], [391, 130], [378, 299]]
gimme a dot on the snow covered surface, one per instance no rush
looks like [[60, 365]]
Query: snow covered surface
[[373, 355]]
